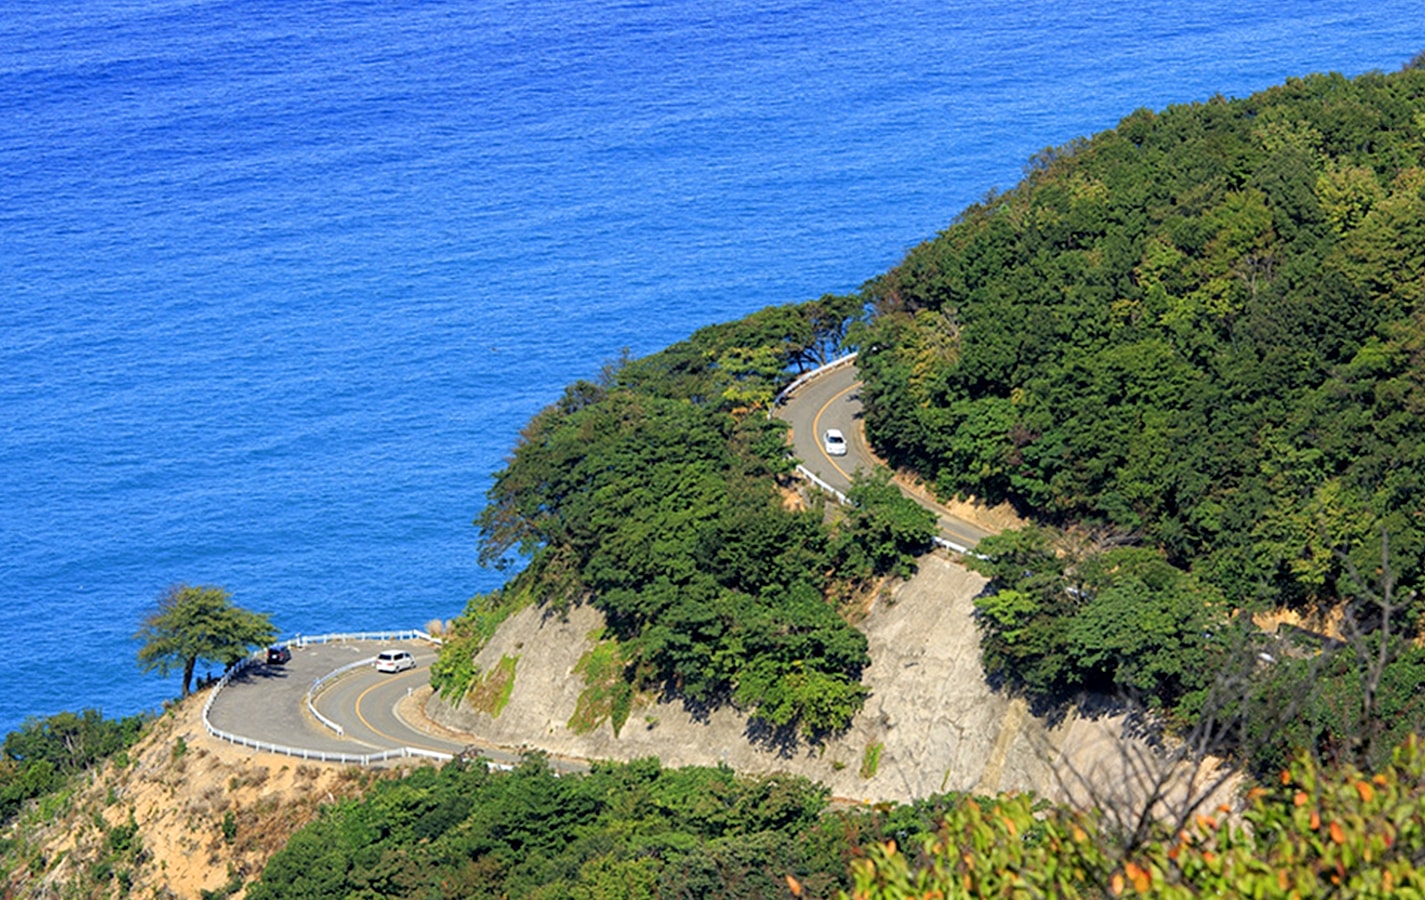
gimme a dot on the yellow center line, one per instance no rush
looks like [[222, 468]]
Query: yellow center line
[[943, 524], [374, 730], [816, 429]]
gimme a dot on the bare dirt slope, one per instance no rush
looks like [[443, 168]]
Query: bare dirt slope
[[931, 724], [185, 814]]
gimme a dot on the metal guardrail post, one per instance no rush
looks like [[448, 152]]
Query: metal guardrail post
[[812, 477], [321, 755]]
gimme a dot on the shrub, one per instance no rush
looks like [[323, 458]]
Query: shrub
[[871, 760]]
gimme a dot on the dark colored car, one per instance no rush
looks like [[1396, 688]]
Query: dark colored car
[[276, 656]]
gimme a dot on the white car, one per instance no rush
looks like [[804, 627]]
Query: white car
[[394, 661], [834, 442]]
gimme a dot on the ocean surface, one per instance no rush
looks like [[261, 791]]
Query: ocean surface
[[281, 281]]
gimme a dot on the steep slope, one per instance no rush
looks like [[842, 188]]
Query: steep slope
[[931, 724], [180, 814]]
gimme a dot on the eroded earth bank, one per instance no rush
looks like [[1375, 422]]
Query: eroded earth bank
[[931, 724]]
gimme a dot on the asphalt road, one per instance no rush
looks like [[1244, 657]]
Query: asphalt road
[[833, 400], [268, 703], [365, 702]]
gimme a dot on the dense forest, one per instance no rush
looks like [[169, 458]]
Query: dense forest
[[658, 495], [1202, 327], [626, 830], [1192, 350], [636, 830]]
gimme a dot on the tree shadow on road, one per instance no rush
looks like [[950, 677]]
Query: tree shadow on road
[[260, 672]]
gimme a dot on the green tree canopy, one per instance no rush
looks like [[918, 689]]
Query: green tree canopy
[[37, 758], [625, 831], [1202, 327], [657, 496], [884, 530], [199, 622], [1202, 331]]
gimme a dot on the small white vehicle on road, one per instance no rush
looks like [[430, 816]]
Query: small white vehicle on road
[[834, 442], [394, 661]]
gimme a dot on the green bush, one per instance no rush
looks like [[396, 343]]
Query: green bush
[[453, 672], [1316, 831], [607, 695], [871, 760], [42, 754], [882, 532]]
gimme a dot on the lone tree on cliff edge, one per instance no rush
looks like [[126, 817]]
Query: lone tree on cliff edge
[[193, 623]]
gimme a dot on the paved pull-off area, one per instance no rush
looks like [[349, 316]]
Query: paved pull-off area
[[377, 711], [268, 703]]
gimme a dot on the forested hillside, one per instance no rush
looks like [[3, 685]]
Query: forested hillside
[[1192, 350], [654, 495], [629, 830], [1192, 347]]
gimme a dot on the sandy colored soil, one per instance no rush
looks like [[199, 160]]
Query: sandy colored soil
[[932, 723], [178, 788]]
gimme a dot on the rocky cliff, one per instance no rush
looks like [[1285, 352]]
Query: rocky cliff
[[931, 724]]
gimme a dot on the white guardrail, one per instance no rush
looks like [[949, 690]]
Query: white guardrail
[[317, 685], [367, 759], [359, 759], [811, 476], [342, 637], [803, 378]]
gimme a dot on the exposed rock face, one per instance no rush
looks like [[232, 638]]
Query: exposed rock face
[[940, 726]]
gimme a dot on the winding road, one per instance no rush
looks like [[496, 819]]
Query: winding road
[[833, 400], [269, 703]]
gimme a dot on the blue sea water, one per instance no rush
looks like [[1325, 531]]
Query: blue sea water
[[281, 281]]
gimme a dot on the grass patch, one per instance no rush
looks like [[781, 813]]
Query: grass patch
[[492, 691], [453, 673], [871, 760], [607, 695], [55, 803]]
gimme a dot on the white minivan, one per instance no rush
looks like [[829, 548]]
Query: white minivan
[[394, 661]]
